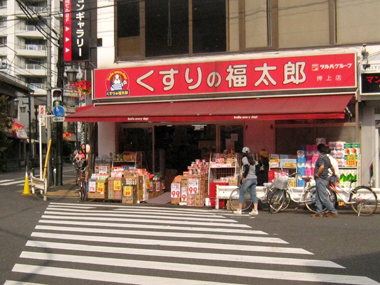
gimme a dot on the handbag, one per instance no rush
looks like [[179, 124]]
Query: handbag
[[261, 169]]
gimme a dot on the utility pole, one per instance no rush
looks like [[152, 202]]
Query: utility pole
[[48, 94]]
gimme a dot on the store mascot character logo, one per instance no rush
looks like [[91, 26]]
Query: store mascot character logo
[[117, 84]]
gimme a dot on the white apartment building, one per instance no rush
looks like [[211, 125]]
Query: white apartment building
[[24, 36]]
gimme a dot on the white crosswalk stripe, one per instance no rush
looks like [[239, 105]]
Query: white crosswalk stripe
[[8, 182], [159, 245]]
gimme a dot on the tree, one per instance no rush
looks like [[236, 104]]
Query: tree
[[5, 126]]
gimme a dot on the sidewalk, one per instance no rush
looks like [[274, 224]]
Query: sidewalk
[[68, 190]]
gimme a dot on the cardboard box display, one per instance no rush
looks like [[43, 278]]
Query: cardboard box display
[[129, 200], [190, 200], [110, 194], [117, 195], [140, 188]]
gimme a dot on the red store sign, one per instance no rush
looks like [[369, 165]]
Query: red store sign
[[270, 74]]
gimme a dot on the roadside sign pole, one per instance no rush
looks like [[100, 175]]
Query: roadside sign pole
[[41, 119]]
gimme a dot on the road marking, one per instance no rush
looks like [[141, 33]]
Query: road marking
[[90, 213], [185, 254], [171, 243], [135, 207], [13, 182], [156, 227], [206, 269], [132, 211], [162, 234], [96, 241], [156, 221], [108, 277], [11, 282]]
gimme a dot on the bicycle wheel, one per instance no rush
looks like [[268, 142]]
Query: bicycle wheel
[[286, 202], [234, 199], [310, 197], [365, 201], [82, 191], [277, 200]]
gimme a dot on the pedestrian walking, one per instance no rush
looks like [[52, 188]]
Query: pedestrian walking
[[322, 180], [249, 181], [262, 167]]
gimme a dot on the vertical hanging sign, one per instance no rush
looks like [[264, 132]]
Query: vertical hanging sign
[[67, 41], [76, 30]]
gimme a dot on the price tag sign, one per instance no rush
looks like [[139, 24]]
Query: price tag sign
[[175, 190], [127, 191], [193, 186], [100, 187], [184, 194], [92, 186], [117, 185]]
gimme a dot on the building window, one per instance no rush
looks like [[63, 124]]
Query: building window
[[3, 41], [128, 19], [154, 28], [167, 27], [256, 23], [303, 23], [209, 26], [355, 23]]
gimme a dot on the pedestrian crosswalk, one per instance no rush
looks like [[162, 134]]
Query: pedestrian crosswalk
[[120, 244], [9, 182]]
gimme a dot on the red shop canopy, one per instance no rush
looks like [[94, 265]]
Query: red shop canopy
[[282, 108]]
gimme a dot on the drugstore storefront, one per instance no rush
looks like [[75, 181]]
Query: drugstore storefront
[[278, 103]]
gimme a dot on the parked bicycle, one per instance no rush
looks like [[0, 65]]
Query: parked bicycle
[[247, 203], [363, 199], [283, 194]]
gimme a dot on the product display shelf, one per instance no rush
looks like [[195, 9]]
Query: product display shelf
[[350, 172], [127, 160], [222, 169], [289, 170]]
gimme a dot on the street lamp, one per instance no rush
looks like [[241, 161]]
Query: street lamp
[[71, 74], [72, 78]]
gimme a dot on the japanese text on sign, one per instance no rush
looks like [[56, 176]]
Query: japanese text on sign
[[271, 74], [175, 190], [193, 186], [76, 30]]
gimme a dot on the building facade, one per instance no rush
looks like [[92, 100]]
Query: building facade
[[150, 35]]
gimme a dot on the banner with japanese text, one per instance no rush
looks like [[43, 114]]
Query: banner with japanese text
[[76, 30], [313, 72]]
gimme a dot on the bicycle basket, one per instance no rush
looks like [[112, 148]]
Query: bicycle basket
[[80, 163], [281, 182]]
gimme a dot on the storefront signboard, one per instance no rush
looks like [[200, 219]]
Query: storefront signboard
[[370, 83], [76, 30], [235, 76]]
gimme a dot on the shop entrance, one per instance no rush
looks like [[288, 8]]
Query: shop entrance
[[177, 146]]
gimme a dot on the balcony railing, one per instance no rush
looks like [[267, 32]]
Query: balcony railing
[[35, 66], [37, 85], [35, 47], [31, 28]]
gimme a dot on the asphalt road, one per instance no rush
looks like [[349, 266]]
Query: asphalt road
[[349, 241]]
